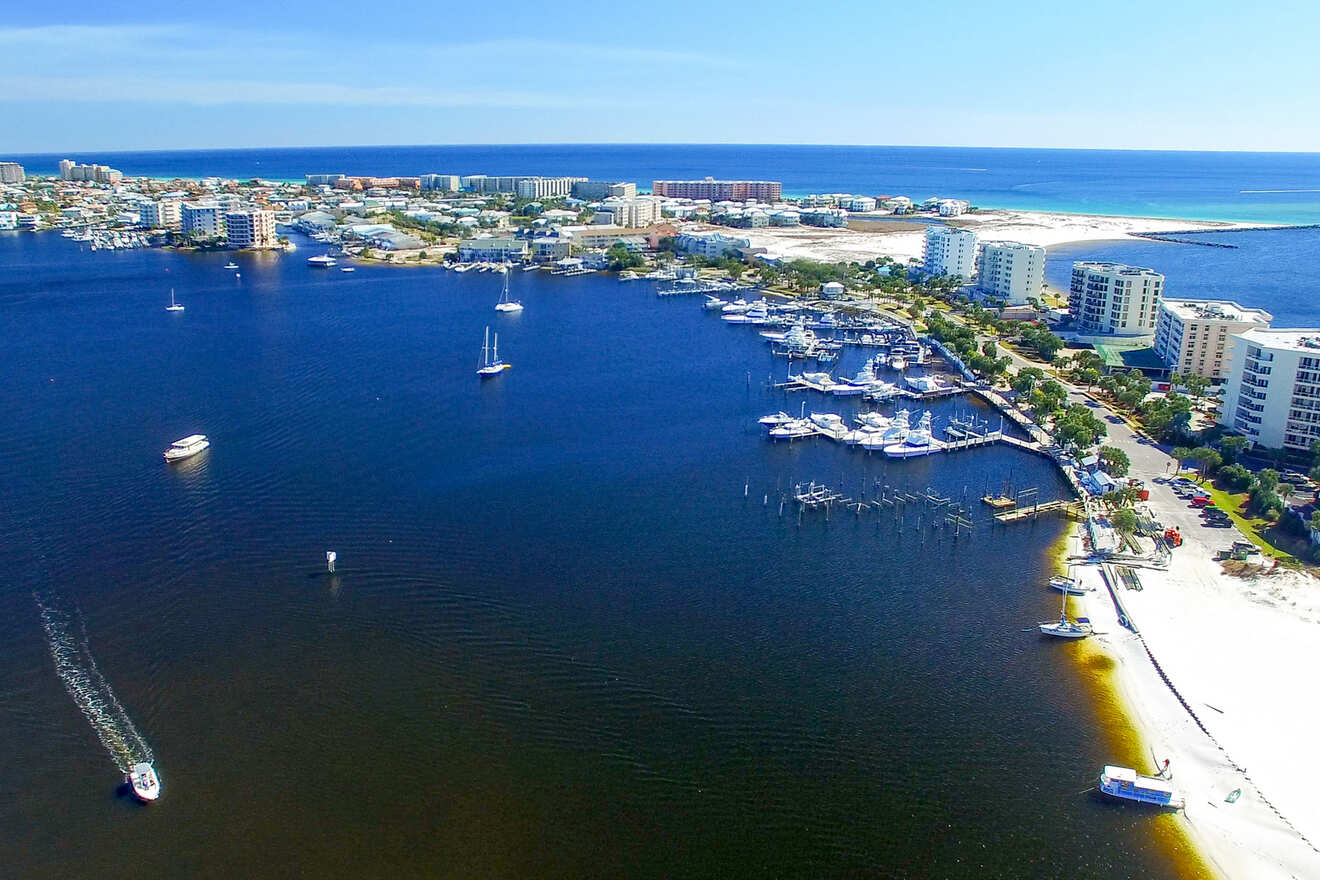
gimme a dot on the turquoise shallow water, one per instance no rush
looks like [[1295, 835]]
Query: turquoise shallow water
[[1257, 187], [560, 642]]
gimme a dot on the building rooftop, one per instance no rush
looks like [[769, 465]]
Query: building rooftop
[[1216, 310], [1300, 340], [1120, 268]]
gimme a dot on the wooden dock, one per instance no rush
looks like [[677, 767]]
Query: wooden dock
[[1073, 509]]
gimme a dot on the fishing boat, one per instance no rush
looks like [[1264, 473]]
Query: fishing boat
[[1064, 628], [831, 424], [505, 304], [775, 420], [145, 782], [173, 306], [924, 384], [187, 447], [321, 261], [917, 442], [793, 429], [1126, 784], [1067, 585], [882, 390], [491, 365]]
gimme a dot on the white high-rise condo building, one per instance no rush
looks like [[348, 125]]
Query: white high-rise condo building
[[1195, 337], [11, 172], [250, 228], [203, 218], [1110, 299], [1272, 396], [164, 214], [1011, 271], [950, 251]]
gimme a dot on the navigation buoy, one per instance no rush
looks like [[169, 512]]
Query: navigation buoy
[[330, 557]]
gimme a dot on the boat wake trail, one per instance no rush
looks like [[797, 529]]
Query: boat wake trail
[[66, 633]]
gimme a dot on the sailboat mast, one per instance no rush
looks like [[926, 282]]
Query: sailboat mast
[[495, 350], [485, 349]]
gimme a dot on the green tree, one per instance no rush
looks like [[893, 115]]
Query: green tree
[[1124, 521], [1180, 455], [1208, 459], [1114, 461], [1231, 446]]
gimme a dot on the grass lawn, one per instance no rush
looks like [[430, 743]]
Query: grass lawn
[[1260, 532]]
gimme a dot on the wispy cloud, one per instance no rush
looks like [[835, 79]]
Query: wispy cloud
[[214, 92]]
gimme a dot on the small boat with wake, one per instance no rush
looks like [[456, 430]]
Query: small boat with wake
[[145, 782]]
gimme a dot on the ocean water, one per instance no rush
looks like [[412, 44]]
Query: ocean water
[[569, 635], [1257, 187], [1276, 270]]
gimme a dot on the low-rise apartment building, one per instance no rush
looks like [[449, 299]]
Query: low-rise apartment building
[[1196, 337]]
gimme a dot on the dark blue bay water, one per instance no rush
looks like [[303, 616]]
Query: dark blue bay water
[[1258, 187], [1276, 270], [560, 642]]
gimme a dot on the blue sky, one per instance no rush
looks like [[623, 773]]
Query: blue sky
[[1151, 74]]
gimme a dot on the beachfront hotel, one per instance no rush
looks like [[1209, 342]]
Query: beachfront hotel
[[949, 251], [1272, 396], [1111, 299], [1195, 337], [11, 172], [719, 190], [1011, 271]]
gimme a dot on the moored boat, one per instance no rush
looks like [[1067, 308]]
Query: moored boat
[[1068, 585], [1126, 784], [321, 261]]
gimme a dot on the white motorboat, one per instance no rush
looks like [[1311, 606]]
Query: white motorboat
[[737, 307], [793, 429], [1070, 586], [774, 421], [898, 362], [173, 306], [714, 303], [755, 313], [491, 365], [145, 782], [347, 269], [321, 261], [830, 423], [817, 381], [874, 421], [231, 265], [505, 304], [882, 391], [187, 447], [924, 384], [1126, 784], [918, 441]]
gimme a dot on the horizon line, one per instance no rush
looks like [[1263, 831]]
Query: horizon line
[[474, 144]]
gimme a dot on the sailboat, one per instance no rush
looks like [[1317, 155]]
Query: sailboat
[[491, 365], [1065, 628], [173, 306], [505, 304]]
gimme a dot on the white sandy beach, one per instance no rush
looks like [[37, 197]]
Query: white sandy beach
[[1028, 227], [1242, 654]]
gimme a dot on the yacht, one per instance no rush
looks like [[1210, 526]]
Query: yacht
[[322, 261], [791, 430], [924, 384], [774, 421], [187, 447], [737, 307], [882, 391], [898, 362], [491, 365], [231, 265], [917, 442], [145, 782], [830, 423], [755, 313], [505, 304], [1125, 784], [874, 421], [714, 303], [898, 431], [173, 306]]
